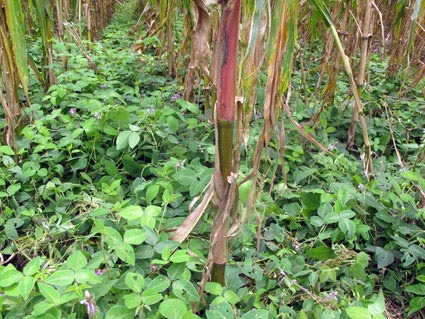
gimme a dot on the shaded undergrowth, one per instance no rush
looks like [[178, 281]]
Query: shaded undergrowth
[[112, 158]]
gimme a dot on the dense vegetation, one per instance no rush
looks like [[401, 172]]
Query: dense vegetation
[[113, 158]]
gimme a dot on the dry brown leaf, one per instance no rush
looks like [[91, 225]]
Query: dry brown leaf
[[192, 219]]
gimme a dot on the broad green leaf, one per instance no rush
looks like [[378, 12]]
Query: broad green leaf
[[134, 236], [348, 227], [166, 252], [180, 256], [168, 198], [134, 128], [324, 209], [303, 314], [213, 288], [172, 308], [316, 221], [83, 276], [358, 313], [172, 124], [357, 269], [131, 212], [26, 284], [256, 314], [418, 289], [310, 200], [132, 300], [220, 309], [113, 237], [12, 189], [331, 218], [383, 257], [244, 190], [41, 307], [134, 281], [195, 188], [321, 253], [61, 278], [312, 278], [6, 150], [390, 283], [110, 168], [231, 297], [48, 292], [412, 176], [417, 251], [133, 139], [150, 297], [416, 304], [185, 290], [122, 139], [125, 252], [186, 105], [378, 306], [331, 314], [67, 297], [327, 274], [303, 173], [185, 177], [76, 261], [159, 283], [176, 271], [149, 219], [9, 276], [151, 193], [52, 313], [120, 312], [10, 229], [347, 214], [402, 242], [100, 212]]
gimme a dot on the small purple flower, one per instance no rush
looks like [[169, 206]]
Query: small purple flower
[[331, 147], [258, 115], [150, 110], [175, 97], [179, 164], [298, 246], [333, 295], [283, 275], [154, 268], [98, 116], [73, 111], [92, 309], [100, 272]]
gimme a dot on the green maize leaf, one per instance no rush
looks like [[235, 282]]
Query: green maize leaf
[[16, 25], [322, 11]]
